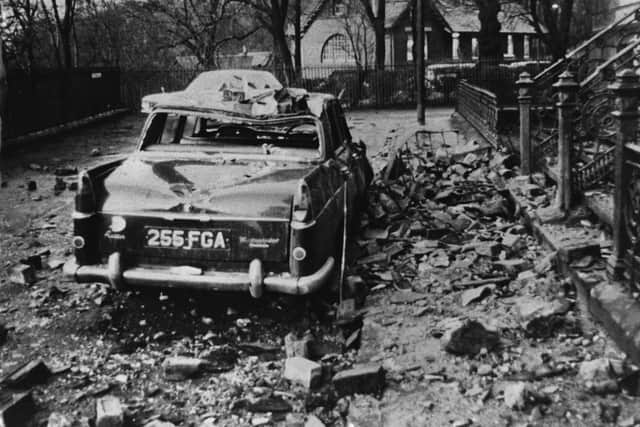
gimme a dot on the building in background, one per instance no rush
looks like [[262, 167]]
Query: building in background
[[331, 36]]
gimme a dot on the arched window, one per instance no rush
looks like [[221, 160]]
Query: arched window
[[336, 50]]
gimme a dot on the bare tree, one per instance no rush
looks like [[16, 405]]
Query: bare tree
[[22, 24], [355, 25], [489, 38], [377, 20], [297, 37], [61, 21], [3, 93], [201, 27], [274, 16], [552, 21]]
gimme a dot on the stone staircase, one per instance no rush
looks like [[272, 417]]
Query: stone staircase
[[594, 64]]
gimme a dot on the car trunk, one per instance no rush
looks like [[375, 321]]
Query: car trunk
[[201, 213]]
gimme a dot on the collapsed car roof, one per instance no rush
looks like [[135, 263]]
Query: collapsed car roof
[[248, 103]]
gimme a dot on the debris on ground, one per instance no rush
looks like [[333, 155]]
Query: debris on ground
[[302, 371], [22, 274], [455, 315]]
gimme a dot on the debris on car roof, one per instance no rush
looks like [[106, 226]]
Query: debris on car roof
[[219, 79], [249, 102]]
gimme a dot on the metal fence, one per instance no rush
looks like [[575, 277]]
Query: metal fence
[[134, 84], [396, 86], [44, 99], [357, 87]]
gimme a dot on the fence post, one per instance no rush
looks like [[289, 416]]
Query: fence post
[[626, 89], [567, 89], [525, 84]]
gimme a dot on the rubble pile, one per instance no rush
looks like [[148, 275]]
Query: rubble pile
[[465, 305]]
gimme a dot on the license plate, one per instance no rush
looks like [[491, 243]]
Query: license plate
[[188, 239]]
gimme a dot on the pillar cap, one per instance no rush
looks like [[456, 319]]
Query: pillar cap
[[566, 82], [626, 80], [524, 79]]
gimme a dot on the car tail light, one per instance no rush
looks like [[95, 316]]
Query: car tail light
[[85, 198], [302, 203]]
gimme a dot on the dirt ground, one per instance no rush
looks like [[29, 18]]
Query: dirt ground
[[100, 343]]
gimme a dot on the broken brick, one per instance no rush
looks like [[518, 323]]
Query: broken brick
[[596, 370], [109, 412], [270, 404], [476, 294], [313, 421], [28, 374], [539, 318], [22, 274], [34, 261], [516, 395], [512, 242], [16, 410], [297, 347], [514, 265], [181, 367], [302, 371], [468, 337], [57, 419], [365, 379]]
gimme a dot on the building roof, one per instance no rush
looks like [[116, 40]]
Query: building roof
[[460, 16], [394, 10], [310, 14]]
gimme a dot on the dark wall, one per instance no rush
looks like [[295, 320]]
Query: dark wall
[[45, 99]]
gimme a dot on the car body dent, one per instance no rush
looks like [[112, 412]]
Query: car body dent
[[243, 188]]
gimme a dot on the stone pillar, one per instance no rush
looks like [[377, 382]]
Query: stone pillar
[[525, 84], [626, 89], [527, 46], [455, 45], [474, 48], [510, 49], [389, 56], [567, 89]]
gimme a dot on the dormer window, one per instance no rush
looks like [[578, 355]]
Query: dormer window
[[339, 7]]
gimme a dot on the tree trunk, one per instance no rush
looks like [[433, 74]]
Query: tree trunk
[[378, 25], [3, 94], [67, 51], [280, 41], [489, 37], [380, 51], [298, 40]]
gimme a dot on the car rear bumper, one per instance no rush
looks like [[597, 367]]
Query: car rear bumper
[[253, 280]]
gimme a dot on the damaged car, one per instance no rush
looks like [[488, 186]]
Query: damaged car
[[216, 82], [225, 192]]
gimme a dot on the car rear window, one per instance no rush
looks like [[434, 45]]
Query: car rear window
[[297, 136]]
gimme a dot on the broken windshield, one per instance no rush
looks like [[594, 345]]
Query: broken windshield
[[186, 131]]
